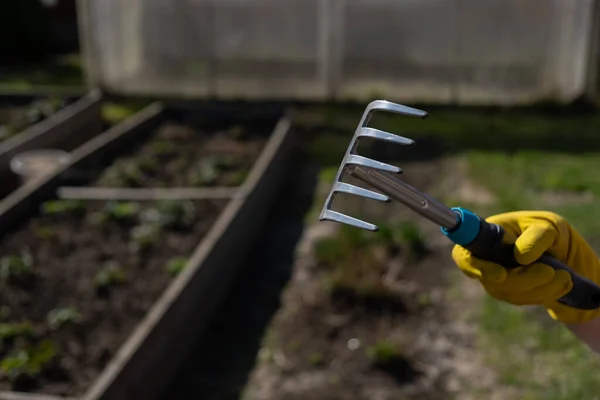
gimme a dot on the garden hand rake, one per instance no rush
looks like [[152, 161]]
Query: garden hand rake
[[461, 226]]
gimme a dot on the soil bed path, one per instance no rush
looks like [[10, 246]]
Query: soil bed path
[[410, 340], [177, 154]]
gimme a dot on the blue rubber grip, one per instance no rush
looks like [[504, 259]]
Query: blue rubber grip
[[467, 229]]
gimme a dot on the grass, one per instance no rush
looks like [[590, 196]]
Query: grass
[[541, 359], [383, 352], [62, 71], [113, 112], [563, 183], [544, 362]]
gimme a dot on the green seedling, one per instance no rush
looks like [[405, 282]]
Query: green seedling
[[49, 106], [59, 207], [28, 362], [60, 317], [386, 234], [328, 251], [383, 353], [121, 211], [16, 268], [411, 237], [124, 174], [173, 213], [316, 359], [161, 147], [143, 237], [112, 274], [237, 178], [148, 165], [14, 330], [205, 174], [176, 265], [44, 232]]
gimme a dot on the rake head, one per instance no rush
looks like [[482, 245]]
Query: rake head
[[352, 159]]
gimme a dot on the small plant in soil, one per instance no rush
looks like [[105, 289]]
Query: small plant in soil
[[14, 330], [131, 174], [328, 251], [386, 356], [143, 237], [62, 207], [161, 148], [211, 168], [60, 317], [23, 366], [126, 173], [175, 265], [171, 214], [17, 268], [383, 352], [111, 275], [122, 212], [206, 173], [148, 165], [316, 359], [237, 178], [356, 264], [413, 240], [44, 232]]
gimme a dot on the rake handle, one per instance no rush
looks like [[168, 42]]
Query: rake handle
[[482, 239]]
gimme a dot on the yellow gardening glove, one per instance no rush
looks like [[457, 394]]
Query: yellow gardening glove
[[535, 233]]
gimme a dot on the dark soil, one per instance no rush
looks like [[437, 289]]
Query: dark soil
[[179, 155], [15, 119], [287, 333], [68, 247]]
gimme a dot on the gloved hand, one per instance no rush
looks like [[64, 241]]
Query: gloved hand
[[534, 233]]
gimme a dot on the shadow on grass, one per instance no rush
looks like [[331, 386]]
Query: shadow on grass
[[218, 368], [447, 131]]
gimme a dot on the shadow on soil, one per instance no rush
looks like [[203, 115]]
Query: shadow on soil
[[219, 366]]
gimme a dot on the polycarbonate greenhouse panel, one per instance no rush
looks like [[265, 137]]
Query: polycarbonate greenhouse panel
[[464, 51]]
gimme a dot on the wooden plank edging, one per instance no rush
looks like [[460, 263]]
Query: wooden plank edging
[[38, 135], [184, 309], [182, 312]]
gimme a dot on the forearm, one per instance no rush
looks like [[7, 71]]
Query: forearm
[[588, 332]]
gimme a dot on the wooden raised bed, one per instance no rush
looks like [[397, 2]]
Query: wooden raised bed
[[71, 126], [127, 339]]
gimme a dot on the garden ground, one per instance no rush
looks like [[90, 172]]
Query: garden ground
[[339, 313]]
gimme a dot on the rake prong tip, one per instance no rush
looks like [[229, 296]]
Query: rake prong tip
[[384, 105], [334, 216], [385, 136], [355, 159], [344, 187]]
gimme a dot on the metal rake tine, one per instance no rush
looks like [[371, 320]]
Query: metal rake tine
[[384, 105], [335, 216], [343, 187], [355, 159], [385, 136], [352, 158]]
